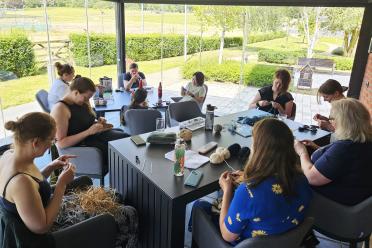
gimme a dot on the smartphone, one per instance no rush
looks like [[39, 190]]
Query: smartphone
[[138, 140], [194, 178]]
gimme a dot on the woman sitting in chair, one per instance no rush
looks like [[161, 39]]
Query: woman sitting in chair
[[195, 90], [274, 194], [60, 86], [25, 191], [275, 98], [331, 90], [27, 194], [341, 171], [139, 101], [76, 120]]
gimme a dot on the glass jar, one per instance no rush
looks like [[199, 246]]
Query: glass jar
[[179, 158]]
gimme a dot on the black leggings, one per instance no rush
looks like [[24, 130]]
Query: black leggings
[[101, 140]]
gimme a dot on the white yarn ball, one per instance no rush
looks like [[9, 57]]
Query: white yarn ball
[[226, 153], [219, 149], [216, 158]]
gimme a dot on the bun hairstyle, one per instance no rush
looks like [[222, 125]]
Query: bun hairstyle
[[64, 68], [329, 87], [32, 125]]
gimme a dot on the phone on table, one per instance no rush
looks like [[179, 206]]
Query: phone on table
[[194, 178], [137, 140]]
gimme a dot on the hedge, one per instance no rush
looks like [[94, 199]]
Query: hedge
[[280, 56], [341, 63], [147, 46], [229, 71], [17, 55]]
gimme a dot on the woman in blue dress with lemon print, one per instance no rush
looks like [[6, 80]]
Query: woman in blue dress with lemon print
[[274, 194]]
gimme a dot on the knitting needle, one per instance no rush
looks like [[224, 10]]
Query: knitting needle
[[230, 166]]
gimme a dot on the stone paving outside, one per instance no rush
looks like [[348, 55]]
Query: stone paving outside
[[228, 97]]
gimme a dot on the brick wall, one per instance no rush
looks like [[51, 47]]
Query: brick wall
[[366, 90]]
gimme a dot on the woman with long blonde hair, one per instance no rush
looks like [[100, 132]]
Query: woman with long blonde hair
[[341, 171]]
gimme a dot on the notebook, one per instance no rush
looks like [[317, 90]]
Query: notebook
[[193, 160]]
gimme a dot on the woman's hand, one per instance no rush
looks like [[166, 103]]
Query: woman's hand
[[263, 103], [102, 120], [225, 182], [237, 177], [67, 175], [319, 117], [300, 148], [96, 128], [61, 162], [310, 144], [325, 125], [276, 105]]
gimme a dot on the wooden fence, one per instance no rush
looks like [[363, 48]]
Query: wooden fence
[[60, 50]]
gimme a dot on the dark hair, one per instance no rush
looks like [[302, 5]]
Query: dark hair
[[329, 87], [199, 77], [32, 125], [62, 69], [83, 85], [285, 76], [133, 66], [139, 97], [273, 156]]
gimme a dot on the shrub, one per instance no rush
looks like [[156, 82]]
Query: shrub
[[229, 71], [146, 47], [280, 56], [338, 51], [341, 63], [17, 55]]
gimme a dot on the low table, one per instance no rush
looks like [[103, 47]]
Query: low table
[[160, 197]]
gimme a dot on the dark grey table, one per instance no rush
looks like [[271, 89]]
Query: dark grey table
[[159, 197]]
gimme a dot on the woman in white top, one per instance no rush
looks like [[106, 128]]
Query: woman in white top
[[195, 90], [60, 86]]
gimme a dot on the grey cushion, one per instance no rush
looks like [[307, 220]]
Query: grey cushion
[[42, 99]]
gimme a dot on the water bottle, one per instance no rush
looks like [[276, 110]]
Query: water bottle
[[209, 117], [179, 158], [160, 92]]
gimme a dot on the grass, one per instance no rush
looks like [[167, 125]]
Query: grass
[[23, 90]]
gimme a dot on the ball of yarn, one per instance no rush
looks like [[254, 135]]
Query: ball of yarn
[[234, 149], [218, 128], [216, 158], [224, 152], [244, 154], [186, 134]]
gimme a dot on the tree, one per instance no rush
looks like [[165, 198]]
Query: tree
[[223, 17], [347, 20], [311, 16]]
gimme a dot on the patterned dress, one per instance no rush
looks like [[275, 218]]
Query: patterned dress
[[264, 210]]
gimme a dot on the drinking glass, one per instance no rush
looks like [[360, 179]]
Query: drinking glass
[[160, 124], [282, 117]]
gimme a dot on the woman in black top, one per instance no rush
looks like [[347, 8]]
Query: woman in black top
[[139, 101], [76, 121], [275, 98]]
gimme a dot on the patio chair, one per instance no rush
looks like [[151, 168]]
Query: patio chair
[[182, 111], [351, 224], [42, 99], [141, 120], [96, 232], [89, 161], [205, 235]]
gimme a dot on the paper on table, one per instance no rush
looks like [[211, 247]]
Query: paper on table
[[193, 160]]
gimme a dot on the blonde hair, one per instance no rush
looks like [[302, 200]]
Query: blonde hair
[[352, 119]]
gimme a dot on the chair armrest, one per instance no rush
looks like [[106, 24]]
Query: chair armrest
[[89, 160], [99, 231], [204, 233]]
